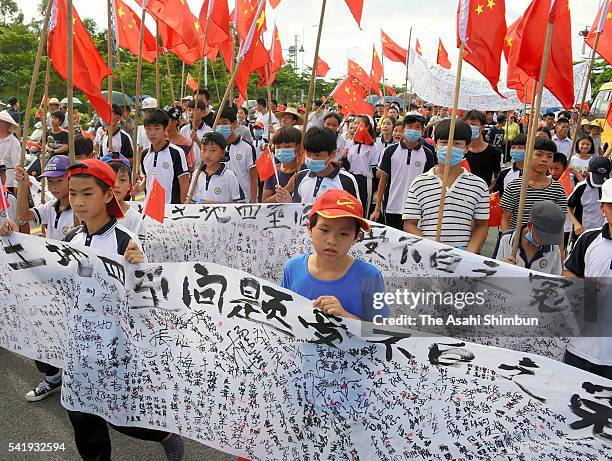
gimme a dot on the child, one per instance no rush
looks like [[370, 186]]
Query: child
[[258, 141], [59, 144], [217, 182], [10, 147], [579, 164], [123, 184], [583, 204], [196, 128], [241, 155], [557, 169], [321, 173], [539, 240], [337, 283], [176, 138], [9, 198], [332, 121], [517, 154], [286, 142], [399, 165], [465, 222], [386, 135], [398, 132], [83, 148], [541, 187], [163, 160], [362, 159], [484, 159], [121, 141]]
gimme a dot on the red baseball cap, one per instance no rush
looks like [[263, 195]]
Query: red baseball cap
[[102, 171], [338, 203]]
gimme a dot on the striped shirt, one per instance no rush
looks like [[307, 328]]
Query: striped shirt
[[466, 200], [512, 194]]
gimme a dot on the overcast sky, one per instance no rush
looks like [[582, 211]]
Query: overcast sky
[[341, 36]]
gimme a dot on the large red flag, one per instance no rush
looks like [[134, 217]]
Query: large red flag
[[322, 67], [376, 72], [356, 7], [417, 48], [177, 16], [516, 78], [276, 61], [482, 29], [156, 202], [252, 50], [391, 90], [349, 93], [174, 43], [442, 58], [357, 72], [246, 14], [560, 72], [128, 32], [89, 69], [392, 50], [218, 24], [603, 22]]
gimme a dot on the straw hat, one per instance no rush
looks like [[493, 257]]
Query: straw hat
[[6, 117], [291, 111]]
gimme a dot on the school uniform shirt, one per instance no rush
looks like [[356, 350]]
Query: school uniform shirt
[[10, 154], [402, 165], [547, 259], [584, 202], [591, 257], [221, 186], [563, 145], [506, 176], [485, 164], [111, 238], [510, 200], [58, 222], [131, 220], [265, 119], [242, 157], [341, 144], [200, 132], [308, 186], [121, 142], [141, 138], [355, 290], [381, 145], [362, 158], [467, 199], [167, 165]]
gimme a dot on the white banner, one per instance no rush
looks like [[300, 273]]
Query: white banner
[[435, 84], [239, 364], [260, 238]]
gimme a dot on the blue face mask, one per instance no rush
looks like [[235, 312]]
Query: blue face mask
[[531, 240], [316, 166], [456, 155], [412, 135], [258, 133], [475, 132], [285, 155], [225, 130], [518, 155]]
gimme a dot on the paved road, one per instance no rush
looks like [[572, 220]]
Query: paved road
[[47, 421]]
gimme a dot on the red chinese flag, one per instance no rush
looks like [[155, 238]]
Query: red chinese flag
[[156, 202], [254, 54], [128, 32], [417, 48], [322, 68], [191, 82], [602, 22], [362, 135], [348, 93], [4, 203], [516, 78], [89, 69], [218, 22], [482, 28], [174, 43], [566, 182], [495, 215], [226, 50], [442, 58], [276, 60], [246, 12], [265, 165], [560, 72], [356, 7], [391, 90], [392, 50], [376, 72], [177, 16], [274, 3], [358, 73]]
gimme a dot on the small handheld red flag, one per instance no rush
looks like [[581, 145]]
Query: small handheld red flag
[[495, 216], [362, 136], [191, 82], [566, 183], [156, 202], [265, 165], [442, 59]]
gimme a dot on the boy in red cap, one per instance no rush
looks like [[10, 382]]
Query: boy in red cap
[[338, 284]]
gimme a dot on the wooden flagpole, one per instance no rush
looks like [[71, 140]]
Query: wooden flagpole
[[182, 82], [28, 111], [451, 141], [212, 68], [204, 38], [43, 121], [109, 44], [157, 74], [531, 141], [269, 90], [584, 91], [170, 77], [313, 75], [70, 86], [136, 164], [407, 99]]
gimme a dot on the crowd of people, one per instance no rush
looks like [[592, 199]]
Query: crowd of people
[[353, 169]]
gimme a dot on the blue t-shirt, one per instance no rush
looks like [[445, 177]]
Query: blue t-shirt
[[355, 289]]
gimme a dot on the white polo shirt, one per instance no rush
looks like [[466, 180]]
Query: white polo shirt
[[168, 165], [362, 158], [308, 186], [221, 186], [547, 259], [242, 157], [591, 257], [584, 201], [402, 165], [121, 143], [200, 132], [58, 222]]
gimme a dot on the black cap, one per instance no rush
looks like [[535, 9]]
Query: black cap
[[2, 167], [12, 101], [600, 168], [174, 113], [215, 137]]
